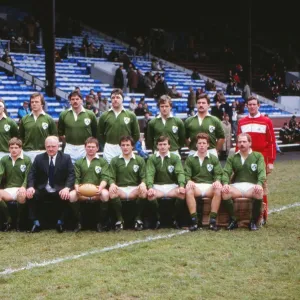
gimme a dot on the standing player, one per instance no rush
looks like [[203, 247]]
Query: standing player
[[204, 122], [35, 127], [75, 125], [261, 130], [14, 167], [167, 125], [115, 123], [8, 130]]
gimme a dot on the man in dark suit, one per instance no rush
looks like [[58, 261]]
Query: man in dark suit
[[51, 177]]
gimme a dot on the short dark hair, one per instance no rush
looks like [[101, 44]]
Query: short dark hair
[[163, 138], [91, 140], [126, 138], [75, 93], [204, 96], [250, 98], [118, 92], [37, 94]]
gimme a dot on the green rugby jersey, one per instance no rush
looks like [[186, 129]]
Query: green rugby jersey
[[97, 171], [253, 170], [76, 132], [33, 133], [173, 128], [209, 172], [16, 176], [168, 171], [131, 175], [8, 130], [110, 128], [210, 125]]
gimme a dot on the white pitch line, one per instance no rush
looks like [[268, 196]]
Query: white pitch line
[[271, 211], [32, 265]]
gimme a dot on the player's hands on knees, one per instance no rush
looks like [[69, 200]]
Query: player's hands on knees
[[100, 188], [76, 187], [258, 189], [30, 192], [190, 185], [65, 193], [143, 188], [226, 189], [22, 192], [151, 192], [113, 189], [217, 185], [181, 190]]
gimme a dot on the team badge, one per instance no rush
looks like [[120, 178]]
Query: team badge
[[126, 120], [170, 169], [6, 127], [45, 125], [253, 167], [174, 129], [22, 168], [211, 128], [209, 167], [87, 121], [98, 169], [135, 168]]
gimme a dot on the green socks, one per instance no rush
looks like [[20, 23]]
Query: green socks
[[155, 207], [228, 204], [76, 210], [140, 205], [213, 215], [256, 208], [4, 209], [103, 214], [117, 207]]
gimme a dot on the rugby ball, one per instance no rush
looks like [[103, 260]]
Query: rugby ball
[[88, 189]]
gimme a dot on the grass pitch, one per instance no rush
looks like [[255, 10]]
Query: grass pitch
[[200, 265]]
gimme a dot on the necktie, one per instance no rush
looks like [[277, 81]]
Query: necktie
[[51, 173]]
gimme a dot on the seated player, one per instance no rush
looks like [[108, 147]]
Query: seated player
[[203, 173], [14, 167], [127, 182], [95, 170], [165, 179], [249, 172]]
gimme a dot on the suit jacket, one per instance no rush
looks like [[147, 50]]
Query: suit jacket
[[64, 174]]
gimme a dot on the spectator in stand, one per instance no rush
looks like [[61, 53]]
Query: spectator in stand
[[104, 105], [173, 93], [191, 102], [132, 105], [132, 82], [228, 135], [23, 110], [195, 75], [286, 134], [292, 122], [140, 111], [161, 88], [119, 78]]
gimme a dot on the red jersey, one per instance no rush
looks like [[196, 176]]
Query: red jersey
[[261, 130]]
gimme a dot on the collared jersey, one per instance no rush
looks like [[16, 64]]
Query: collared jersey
[[111, 128], [97, 171], [16, 176], [131, 174], [76, 132], [253, 170], [166, 171], [210, 125], [209, 172], [173, 128], [8, 130], [261, 130], [33, 133]]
